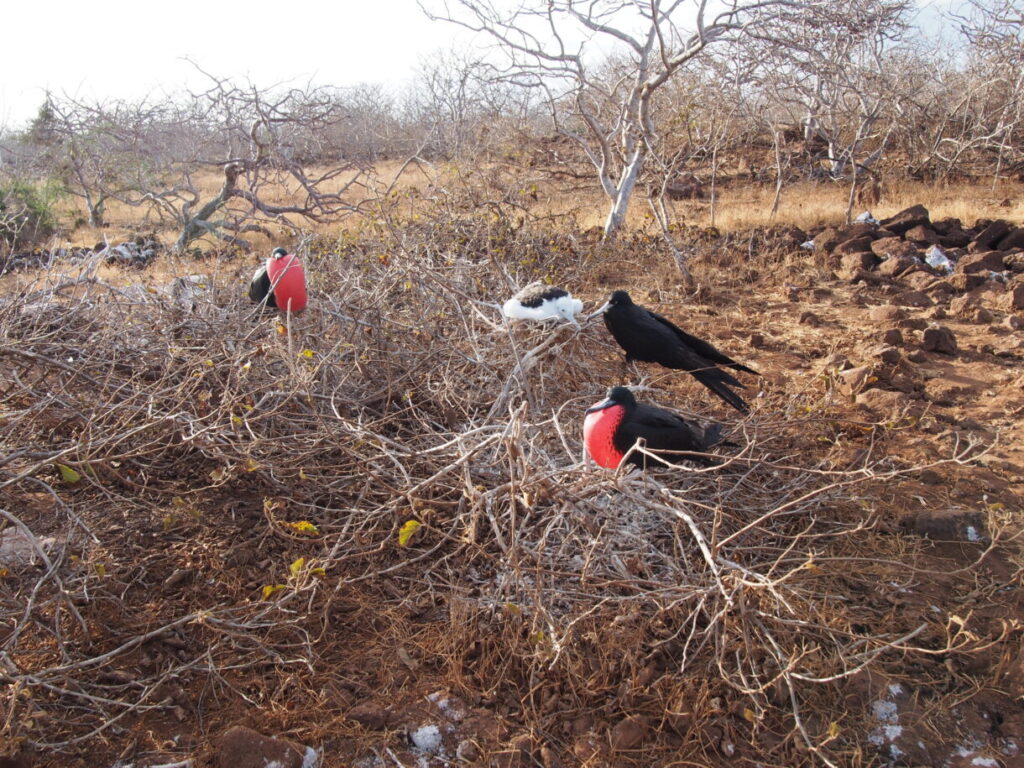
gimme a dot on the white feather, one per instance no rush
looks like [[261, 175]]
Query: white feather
[[562, 307]]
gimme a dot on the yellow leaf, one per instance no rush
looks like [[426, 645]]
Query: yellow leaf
[[218, 474], [269, 590], [236, 420], [748, 714], [281, 330], [251, 465], [811, 566], [308, 354], [304, 526], [303, 475], [833, 729], [68, 475], [101, 570], [208, 363], [296, 566], [538, 637], [318, 572], [407, 530]]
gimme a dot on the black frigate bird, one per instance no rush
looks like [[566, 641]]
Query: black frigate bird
[[651, 338], [614, 425]]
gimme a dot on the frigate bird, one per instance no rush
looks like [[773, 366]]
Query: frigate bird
[[280, 282], [651, 338], [538, 301], [614, 425]]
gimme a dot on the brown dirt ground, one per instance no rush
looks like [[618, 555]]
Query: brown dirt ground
[[378, 664]]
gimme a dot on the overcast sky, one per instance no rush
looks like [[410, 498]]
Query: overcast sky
[[120, 49], [113, 49]]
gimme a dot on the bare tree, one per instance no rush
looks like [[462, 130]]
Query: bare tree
[[97, 151], [564, 46], [267, 141], [995, 32], [455, 106], [837, 83]]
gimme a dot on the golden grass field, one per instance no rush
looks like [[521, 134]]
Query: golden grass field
[[739, 206]]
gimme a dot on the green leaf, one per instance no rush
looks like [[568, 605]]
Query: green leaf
[[304, 526], [68, 475]]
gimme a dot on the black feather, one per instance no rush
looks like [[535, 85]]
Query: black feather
[[652, 338], [259, 287], [666, 434], [536, 294]]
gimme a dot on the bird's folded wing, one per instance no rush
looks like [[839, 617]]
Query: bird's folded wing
[[701, 347]]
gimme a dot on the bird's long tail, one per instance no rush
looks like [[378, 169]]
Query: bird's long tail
[[712, 379]]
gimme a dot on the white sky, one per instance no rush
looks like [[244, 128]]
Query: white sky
[[104, 49], [110, 49]]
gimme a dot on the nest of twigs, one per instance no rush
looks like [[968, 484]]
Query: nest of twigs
[[227, 497]]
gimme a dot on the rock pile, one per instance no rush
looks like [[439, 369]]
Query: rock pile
[[911, 358], [136, 253], [926, 256]]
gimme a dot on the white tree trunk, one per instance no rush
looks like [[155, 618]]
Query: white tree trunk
[[623, 195]]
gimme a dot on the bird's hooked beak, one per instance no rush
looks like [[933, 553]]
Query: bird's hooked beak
[[599, 311], [606, 403]]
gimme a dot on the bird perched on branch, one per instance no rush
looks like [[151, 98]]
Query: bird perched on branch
[[649, 337], [280, 282], [614, 425], [538, 301]]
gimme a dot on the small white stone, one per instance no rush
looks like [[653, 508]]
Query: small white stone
[[311, 759], [885, 711], [427, 738]]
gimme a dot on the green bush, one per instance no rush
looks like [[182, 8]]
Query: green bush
[[28, 212]]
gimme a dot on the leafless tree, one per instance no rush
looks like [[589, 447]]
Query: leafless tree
[[267, 140], [97, 151], [702, 121], [836, 82], [366, 128], [994, 30], [564, 47], [455, 108]]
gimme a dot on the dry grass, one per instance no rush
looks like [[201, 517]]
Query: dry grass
[[698, 604], [740, 205]]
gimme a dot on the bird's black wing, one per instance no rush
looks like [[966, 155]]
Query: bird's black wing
[[536, 294], [665, 431], [259, 288], [703, 348]]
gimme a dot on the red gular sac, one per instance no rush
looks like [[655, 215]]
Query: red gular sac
[[289, 281], [599, 427]]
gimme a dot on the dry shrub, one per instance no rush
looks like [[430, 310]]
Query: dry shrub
[[217, 442]]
